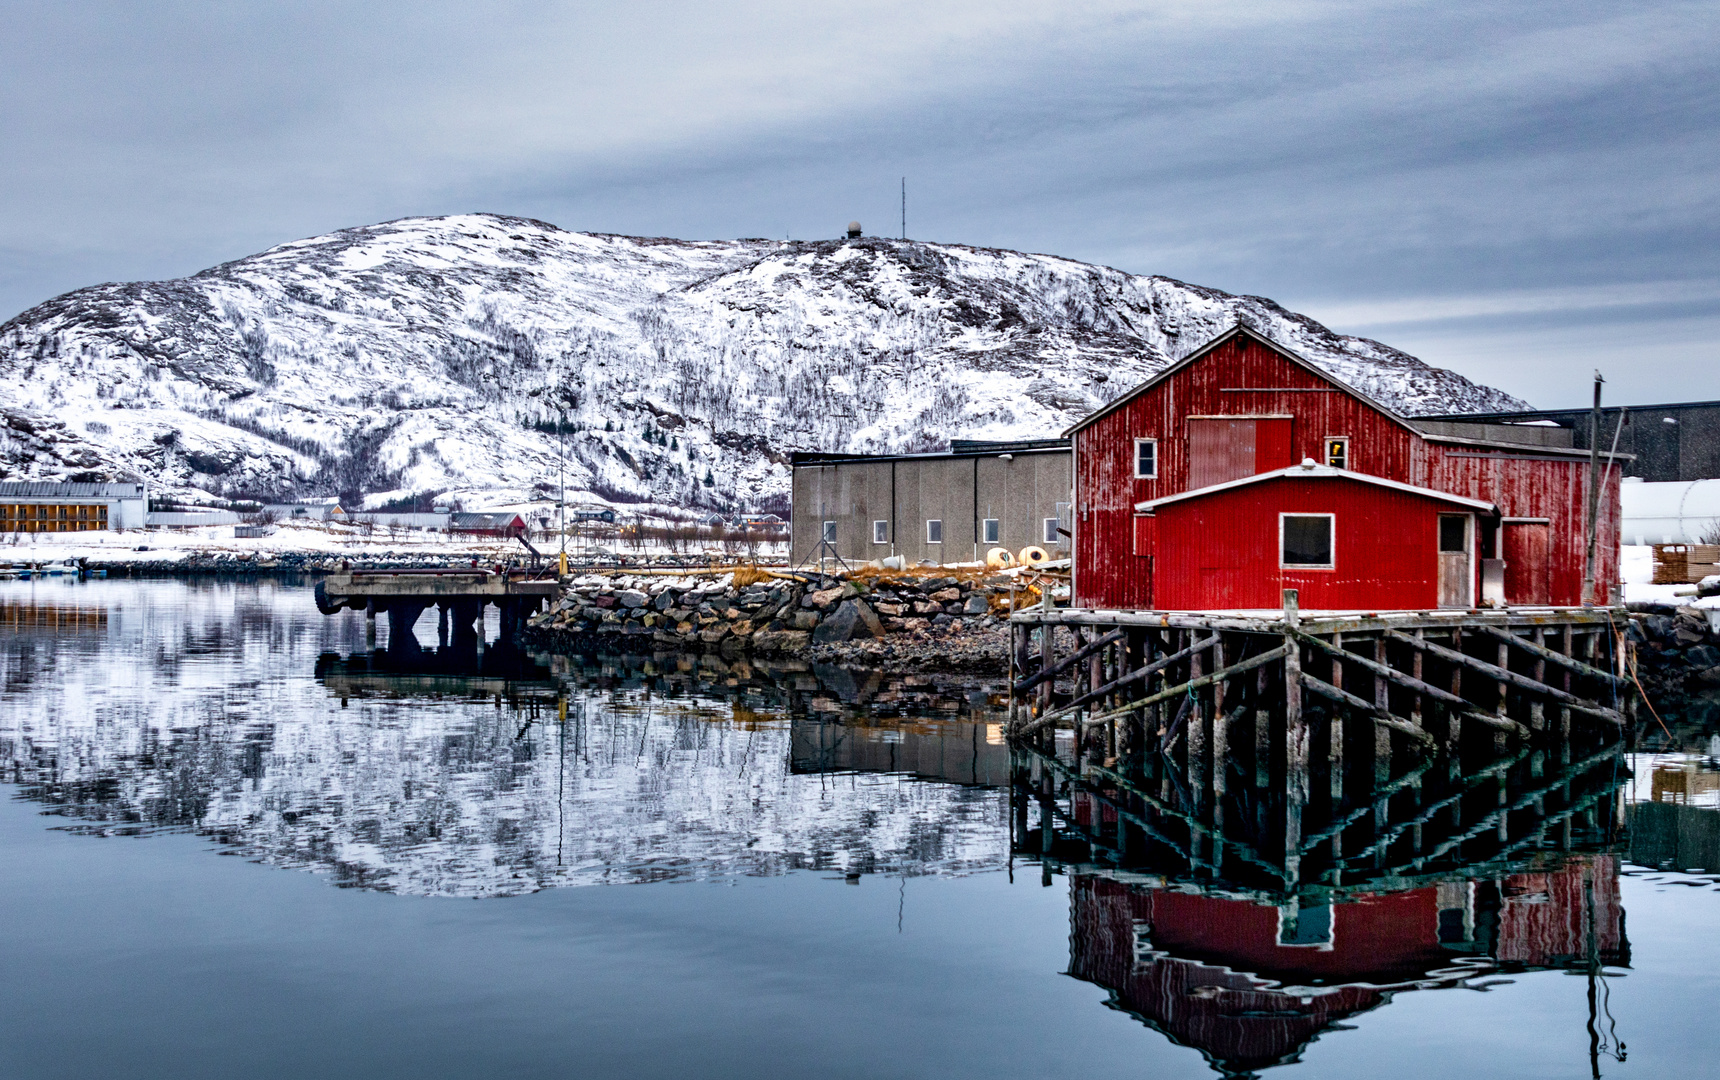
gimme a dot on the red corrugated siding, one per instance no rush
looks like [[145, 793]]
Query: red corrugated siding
[[1553, 489], [1107, 573], [1221, 550]]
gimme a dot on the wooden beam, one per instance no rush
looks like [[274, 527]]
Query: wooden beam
[[1132, 677], [1522, 682], [1205, 680], [1391, 673], [1166, 694], [1544, 653], [1030, 681], [1367, 708]]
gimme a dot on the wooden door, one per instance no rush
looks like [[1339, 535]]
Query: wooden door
[[1219, 449], [1527, 547], [1456, 573]]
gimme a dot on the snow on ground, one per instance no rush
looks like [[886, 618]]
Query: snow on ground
[[1636, 568]]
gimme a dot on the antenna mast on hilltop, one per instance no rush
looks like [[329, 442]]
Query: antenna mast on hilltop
[[904, 208]]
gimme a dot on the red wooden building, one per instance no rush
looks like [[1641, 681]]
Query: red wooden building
[[1494, 512]]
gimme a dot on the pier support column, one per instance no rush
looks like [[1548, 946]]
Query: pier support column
[[402, 616], [1295, 746], [370, 625], [442, 625]]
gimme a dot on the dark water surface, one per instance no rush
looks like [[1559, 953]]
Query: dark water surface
[[239, 844]]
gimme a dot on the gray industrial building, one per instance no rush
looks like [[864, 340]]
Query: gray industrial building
[[1680, 441], [951, 507]]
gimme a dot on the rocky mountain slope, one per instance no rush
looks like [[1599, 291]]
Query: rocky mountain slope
[[460, 354]]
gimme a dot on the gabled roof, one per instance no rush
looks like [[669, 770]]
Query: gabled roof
[[1235, 332], [1310, 471]]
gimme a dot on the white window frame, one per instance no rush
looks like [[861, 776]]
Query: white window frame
[[829, 533], [939, 523], [880, 531], [1326, 450], [1139, 475], [990, 531], [1331, 540], [1050, 533]]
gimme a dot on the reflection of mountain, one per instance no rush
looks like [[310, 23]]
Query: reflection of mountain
[[1249, 984], [446, 798], [198, 710]]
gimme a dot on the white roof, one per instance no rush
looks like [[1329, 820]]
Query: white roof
[[1308, 470]]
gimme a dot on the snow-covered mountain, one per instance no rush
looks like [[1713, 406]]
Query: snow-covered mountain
[[445, 354]]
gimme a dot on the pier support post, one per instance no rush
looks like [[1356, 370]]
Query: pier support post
[[370, 625], [1295, 744], [402, 616]]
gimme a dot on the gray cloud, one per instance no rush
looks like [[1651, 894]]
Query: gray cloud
[[1522, 192]]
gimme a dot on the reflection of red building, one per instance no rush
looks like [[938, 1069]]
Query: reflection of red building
[[1250, 984]]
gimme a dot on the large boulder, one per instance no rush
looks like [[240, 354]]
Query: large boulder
[[851, 619], [780, 641]]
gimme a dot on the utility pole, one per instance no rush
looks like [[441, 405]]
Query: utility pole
[[561, 491], [1594, 494], [904, 208]]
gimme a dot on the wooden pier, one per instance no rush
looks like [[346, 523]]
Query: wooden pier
[[1338, 717]]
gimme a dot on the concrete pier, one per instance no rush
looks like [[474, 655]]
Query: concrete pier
[[460, 597]]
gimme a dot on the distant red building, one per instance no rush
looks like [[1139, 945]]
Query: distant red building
[[1241, 406], [507, 525]]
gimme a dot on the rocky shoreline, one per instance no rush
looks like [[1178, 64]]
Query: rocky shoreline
[[1678, 664], [906, 621]]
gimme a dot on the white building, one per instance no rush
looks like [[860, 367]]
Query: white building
[[51, 506]]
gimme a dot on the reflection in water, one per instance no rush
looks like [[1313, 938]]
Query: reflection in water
[[1249, 984], [1675, 824], [239, 712], [479, 773], [1205, 923]]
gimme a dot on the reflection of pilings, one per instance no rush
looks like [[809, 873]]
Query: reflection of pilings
[[1236, 840]]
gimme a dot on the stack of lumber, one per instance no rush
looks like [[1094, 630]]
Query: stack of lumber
[[1685, 564]]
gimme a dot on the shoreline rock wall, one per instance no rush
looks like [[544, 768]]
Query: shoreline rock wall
[[1678, 663], [782, 614]]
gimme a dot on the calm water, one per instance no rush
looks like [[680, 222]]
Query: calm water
[[238, 844]]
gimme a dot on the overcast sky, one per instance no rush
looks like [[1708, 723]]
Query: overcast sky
[[1522, 192]]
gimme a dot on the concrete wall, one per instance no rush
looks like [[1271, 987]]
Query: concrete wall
[[906, 492]]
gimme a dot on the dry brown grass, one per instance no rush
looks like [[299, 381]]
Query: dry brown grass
[[750, 575]]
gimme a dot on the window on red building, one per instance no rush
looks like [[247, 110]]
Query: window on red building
[[1305, 541]]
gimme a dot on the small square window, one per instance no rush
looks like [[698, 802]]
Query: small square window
[[1146, 459], [1338, 451], [1305, 540], [1051, 530], [989, 530], [830, 532], [934, 531], [1453, 533], [880, 532]]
